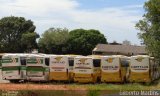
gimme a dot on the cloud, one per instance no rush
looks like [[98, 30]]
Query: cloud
[[116, 23], [38, 7]]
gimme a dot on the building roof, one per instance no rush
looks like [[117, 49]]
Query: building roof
[[120, 48]]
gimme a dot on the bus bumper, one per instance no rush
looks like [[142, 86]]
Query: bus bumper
[[43, 78], [12, 77], [111, 77], [139, 77], [84, 78], [62, 76]]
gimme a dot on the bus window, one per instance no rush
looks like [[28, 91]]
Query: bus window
[[47, 61], [71, 62], [96, 62], [23, 60]]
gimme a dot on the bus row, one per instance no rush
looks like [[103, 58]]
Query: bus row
[[81, 69]]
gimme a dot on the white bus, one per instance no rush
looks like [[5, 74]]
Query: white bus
[[59, 68], [14, 67], [114, 68], [86, 69], [37, 67], [143, 69]]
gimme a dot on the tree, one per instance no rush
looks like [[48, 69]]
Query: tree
[[29, 41], [14, 33], [83, 41], [54, 40], [149, 28]]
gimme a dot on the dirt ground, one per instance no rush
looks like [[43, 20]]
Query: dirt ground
[[10, 86]]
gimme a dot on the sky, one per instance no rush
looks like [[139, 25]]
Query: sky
[[116, 19]]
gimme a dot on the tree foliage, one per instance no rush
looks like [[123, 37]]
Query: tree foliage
[[149, 27], [83, 41], [16, 34], [54, 40], [78, 41], [29, 41]]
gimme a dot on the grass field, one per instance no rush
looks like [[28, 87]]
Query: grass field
[[73, 89], [134, 86], [76, 86], [110, 86]]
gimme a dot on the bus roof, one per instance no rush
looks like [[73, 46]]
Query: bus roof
[[95, 56], [84, 57], [114, 56], [140, 56], [15, 54]]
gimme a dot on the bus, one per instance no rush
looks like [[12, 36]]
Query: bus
[[59, 68], [14, 67], [86, 69], [142, 69], [1, 80], [114, 68], [37, 67]]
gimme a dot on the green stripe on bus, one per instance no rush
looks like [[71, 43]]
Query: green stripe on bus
[[23, 67], [47, 69], [9, 60], [33, 61], [10, 68], [35, 69]]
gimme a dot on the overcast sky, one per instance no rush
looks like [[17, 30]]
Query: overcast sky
[[114, 18]]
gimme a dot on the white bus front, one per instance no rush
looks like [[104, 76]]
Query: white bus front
[[59, 68], [14, 67], [83, 69], [110, 69], [37, 69], [139, 69]]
